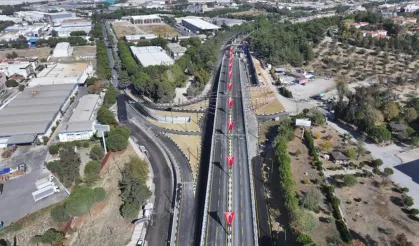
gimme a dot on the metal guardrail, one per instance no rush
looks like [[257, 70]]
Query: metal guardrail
[[207, 193], [252, 192]]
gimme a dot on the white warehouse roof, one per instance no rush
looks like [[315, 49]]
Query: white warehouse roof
[[144, 17], [63, 49], [151, 55], [201, 24]]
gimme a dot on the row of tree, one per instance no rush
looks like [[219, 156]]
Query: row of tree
[[104, 71], [134, 191]]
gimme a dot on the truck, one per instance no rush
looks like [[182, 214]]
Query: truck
[[40, 183], [45, 192]]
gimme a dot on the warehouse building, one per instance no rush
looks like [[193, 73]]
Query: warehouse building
[[66, 27], [145, 19], [33, 113], [22, 68], [175, 50], [198, 25], [80, 126], [151, 56], [62, 49], [61, 73]]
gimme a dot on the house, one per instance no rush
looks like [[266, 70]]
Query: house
[[280, 70], [397, 128], [357, 25], [339, 158], [374, 34], [404, 21]]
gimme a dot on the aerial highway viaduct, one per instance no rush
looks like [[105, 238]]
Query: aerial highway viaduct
[[229, 189]]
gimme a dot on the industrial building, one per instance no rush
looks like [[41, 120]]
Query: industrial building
[[60, 73], [80, 126], [227, 21], [32, 113], [138, 37], [42, 16], [145, 19], [66, 27], [198, 25], [175, 50], [22, 68], [151, 56], [62, 50]]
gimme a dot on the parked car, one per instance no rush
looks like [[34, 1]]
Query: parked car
[[139, 242]]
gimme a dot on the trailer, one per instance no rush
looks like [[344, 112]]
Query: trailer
[[45, 192], [40, 183]]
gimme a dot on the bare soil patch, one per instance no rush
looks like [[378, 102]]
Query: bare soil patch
[[264, 101], [38, 52], [190, 146], [307, 178], [374, 211], [123, 28], [250, 12]]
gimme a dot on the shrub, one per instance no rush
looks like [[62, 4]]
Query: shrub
[[304, 240], [388, 171], [306, 181], [100, 194], [312, 199], [349, 180], [376, 163], [53, 166], [128, 211], [51, 237], [351, 153], [304, 220], [85, 144], [405, 189], [80, 201], [408, 201], [97, 152], [343, 230], [285, 92], [59, 215], [12, 83], [53, 149]]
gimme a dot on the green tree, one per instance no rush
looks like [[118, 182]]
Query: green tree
[[80, 201], [351, 153], [110, 96], [128, 211], [100, 194], [380, 134], [97, 152], [123, 79], [12, 83], [51, 237], [408, 201], [59, 215], [304, 220], [349, 180], [388, 171], [360, 146], [305, 240], [91, 171], [90, 81], [116, 142], [123, 131], [341, 86], [68, 169], [53, 149], [391, 110], [410, 114], [105, 116], [312, 199]]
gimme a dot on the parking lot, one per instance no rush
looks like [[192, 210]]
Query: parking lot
[[311, 88], [16, 201]]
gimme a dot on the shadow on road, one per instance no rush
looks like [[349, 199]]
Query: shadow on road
[[411, 169], [216, 217]]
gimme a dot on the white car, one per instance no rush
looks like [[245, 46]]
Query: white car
[[139, 242]]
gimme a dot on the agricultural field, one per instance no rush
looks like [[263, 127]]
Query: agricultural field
[[123, 28], [359, 64], [43, 52]]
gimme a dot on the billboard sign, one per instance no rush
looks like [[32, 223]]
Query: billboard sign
[[302, 122]]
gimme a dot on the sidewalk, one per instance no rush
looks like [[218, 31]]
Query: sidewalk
[[140, 229]]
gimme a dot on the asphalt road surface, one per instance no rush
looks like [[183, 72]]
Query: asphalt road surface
[[242, 229], [243, 223]]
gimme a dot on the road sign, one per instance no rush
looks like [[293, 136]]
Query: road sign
[[230, 161], [230, 102], [302, 122], [104, 128], [229, 216], [230, 86], [230, 125]]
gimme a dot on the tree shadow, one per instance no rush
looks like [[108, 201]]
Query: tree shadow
[[218, 164], [396, 200], [220, 131]]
